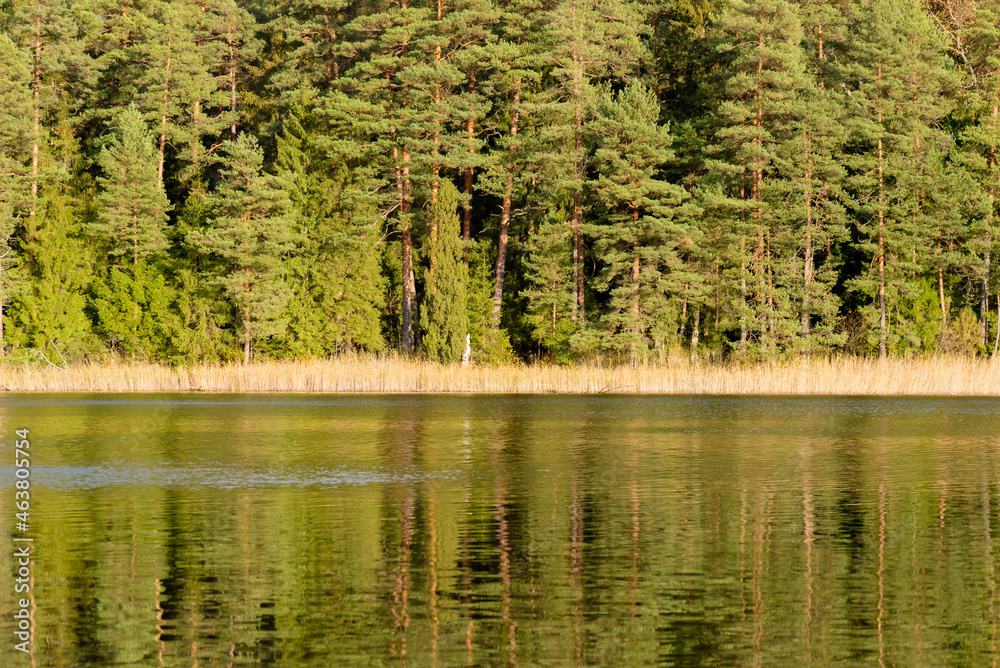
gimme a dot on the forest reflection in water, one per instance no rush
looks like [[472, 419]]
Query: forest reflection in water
[[507, 530]]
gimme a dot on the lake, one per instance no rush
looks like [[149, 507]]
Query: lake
[[423, 530]]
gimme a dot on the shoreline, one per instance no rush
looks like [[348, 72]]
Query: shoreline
[[941, 376]]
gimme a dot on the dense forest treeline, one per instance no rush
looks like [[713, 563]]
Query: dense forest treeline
[[212, 180]]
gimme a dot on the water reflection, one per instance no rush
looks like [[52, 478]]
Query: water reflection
[[460, 530]]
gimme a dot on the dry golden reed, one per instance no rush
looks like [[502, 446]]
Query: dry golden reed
[[931, 376]]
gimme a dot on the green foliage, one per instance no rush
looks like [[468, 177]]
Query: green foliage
[[753, 176], [134, 309], [132, 204], [49, 315], [489, 345], [549, 294], [444, 318], [250, 232]]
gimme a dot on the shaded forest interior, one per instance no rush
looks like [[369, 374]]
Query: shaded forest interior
[[565, 180]]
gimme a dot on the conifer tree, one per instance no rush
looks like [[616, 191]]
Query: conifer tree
[[637, 240], [132, 204], [49, 314], [251, 232], [549, 289], [896, 76], [759, 78], [444, 319], [590, 42], [383, 106], [15, 155], [338, 289], [981, 141], [134, 309], [517, 62]]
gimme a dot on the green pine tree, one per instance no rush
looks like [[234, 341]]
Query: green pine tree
[[133, 207], [637, 241], [15, 157], [251, 232], [898, 78]]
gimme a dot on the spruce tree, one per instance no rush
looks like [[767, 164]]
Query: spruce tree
[[338, 288], [132, 205], [251, 233], [549, 289], [135, 311], [49, 314], [444, 319]]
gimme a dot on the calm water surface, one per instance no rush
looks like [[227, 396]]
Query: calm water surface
[[188, 530]]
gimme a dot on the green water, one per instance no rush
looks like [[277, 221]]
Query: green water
[[303, 530]]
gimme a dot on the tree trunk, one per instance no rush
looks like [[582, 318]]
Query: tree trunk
[[636, 325], [36, 96], [944, 309], [163, 115], [807, 264], [409, 284], [883, 334], [576, 224], [470, 133], [508, 196], [695, 333]]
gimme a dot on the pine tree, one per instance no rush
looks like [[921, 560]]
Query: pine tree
[[759, 78], [251, 232], [981, 143], [387, 119], [132, 204], [896, 77], [636, 242], [516, 66], [15, 152], [590, 42], [444, 319]]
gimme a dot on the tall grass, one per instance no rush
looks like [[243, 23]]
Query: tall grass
[[937, 375]]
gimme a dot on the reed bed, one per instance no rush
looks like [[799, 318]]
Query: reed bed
[[846, 376]]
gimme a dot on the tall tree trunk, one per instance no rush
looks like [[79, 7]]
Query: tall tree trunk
[[636, 325], [409, 284], [332, 72], [36, 138], [695, 332], [508, 196], [807, 264], [883, 334], [163, 114], [467, 176], [232, 89], [883, 331], [576, 224], [944, 308], [435, 164]]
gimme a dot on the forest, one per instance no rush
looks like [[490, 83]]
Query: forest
[[561, 180]]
